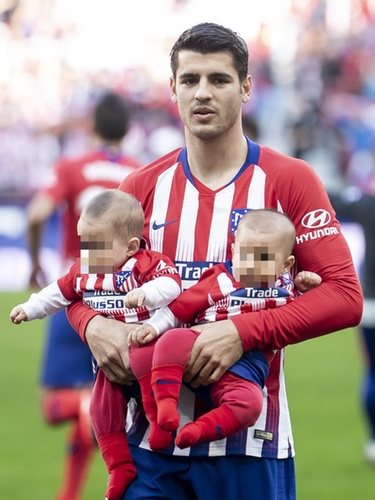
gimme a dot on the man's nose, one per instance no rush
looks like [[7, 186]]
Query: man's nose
[[203, 91]]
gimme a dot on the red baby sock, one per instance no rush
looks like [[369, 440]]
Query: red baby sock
[[216, 424], [158, 438], [239, 404], [166, 384], [117, 457]]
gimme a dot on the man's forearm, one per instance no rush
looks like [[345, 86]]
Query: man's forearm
[[318, 312], [79, 315]]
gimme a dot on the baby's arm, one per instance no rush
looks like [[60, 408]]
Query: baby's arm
[[160, 322], [135, 298], [44, 303], [306, 280]]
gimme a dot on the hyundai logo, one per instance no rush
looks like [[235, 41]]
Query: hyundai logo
[[316, 218]]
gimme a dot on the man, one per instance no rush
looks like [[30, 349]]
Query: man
[[354, 205], [66, 375], [193, 199]]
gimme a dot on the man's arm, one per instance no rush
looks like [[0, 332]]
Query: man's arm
[[336, 304], [39, 210]]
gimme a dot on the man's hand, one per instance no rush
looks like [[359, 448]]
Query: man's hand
[[107, 340], [216, 349]]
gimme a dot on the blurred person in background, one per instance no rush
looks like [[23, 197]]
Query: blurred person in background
[[354, 204], [193, 198], [66, 373]]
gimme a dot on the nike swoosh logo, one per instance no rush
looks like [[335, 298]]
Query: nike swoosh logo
[[156, 226]]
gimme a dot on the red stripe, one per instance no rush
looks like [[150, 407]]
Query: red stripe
[[99, 282], [202, 230], [176, 199], [273, 388]]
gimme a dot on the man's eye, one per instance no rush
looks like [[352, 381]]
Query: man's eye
[[188, 81], [219, 81], [264, 256]]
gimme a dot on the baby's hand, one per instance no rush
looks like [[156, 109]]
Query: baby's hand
[[306, 280], [17, 315], [142, 334], [135, 298]]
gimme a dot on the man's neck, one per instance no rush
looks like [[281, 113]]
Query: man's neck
[[216, 162]]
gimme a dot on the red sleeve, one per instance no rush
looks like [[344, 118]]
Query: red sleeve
[[77, 312], [320, 247], [67, 282], [195, 299], [79, 315]]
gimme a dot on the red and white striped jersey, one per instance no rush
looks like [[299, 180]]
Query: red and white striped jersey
[[195, 227], [74, 181], [105, 293]]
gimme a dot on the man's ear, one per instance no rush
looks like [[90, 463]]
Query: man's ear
[[172, 89], [133, 246], [247, 88], [289, 263]]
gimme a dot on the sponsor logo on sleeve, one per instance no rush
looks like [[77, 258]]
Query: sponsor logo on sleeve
[[164, 268], [318, 221]]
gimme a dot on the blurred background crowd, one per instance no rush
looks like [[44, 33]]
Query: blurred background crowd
[[313, 69], [311, 60]]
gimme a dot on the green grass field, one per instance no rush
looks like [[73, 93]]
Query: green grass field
[[323, 380]]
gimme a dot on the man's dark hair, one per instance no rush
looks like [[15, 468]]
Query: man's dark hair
[[207, 38], [111, 117]]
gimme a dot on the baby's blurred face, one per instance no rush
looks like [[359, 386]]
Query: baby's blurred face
[[256, 263], [97, 246]]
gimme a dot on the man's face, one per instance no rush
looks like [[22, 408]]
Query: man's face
[[209, 93], [97, 253], [256, 263]]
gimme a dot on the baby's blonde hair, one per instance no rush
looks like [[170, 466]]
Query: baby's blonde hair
[[269, 222], [120, 210]]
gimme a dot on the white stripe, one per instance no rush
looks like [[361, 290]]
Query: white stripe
[[285, 427], [108, 282], [129, 264], [91, 281], [159, 211], [225, 284], [254, 446], [186, 234], [186, 405], [257, 189], [217, 245], [186, 408], [78, 284], [215, 448]]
